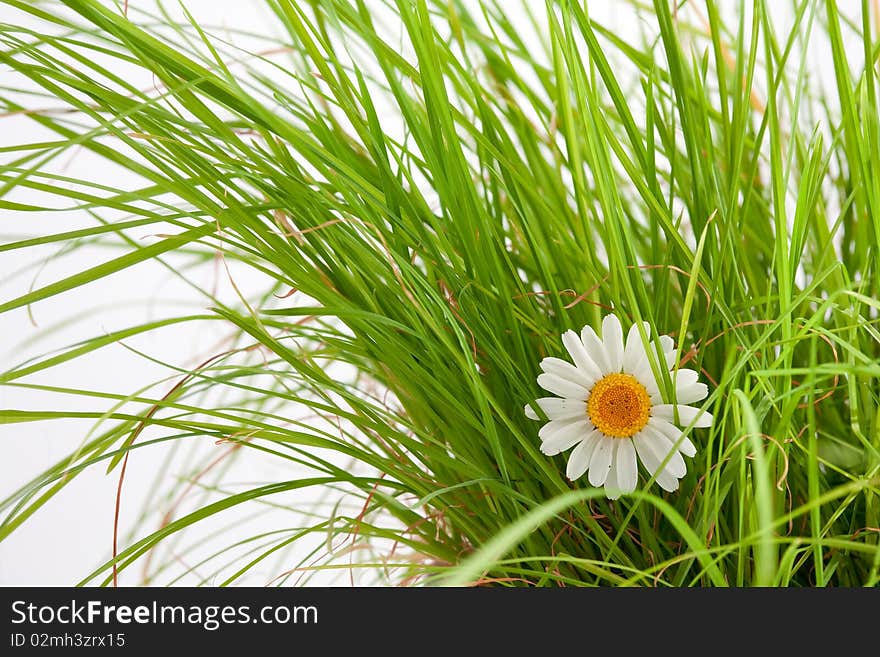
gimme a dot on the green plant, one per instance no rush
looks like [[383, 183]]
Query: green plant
[[431, 194]]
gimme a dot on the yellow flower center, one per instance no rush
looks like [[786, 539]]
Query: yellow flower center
[[619, 405]]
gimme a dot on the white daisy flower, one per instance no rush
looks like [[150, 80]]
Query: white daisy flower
[[609, 408]]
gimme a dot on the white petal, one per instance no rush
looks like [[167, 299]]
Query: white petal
[[560, 435], [684, 377], [563, 442], [668, 346], [594, 348], [565, 370], [642, 368], [635, 362], [562, 387], [646, 454], [627, 469], [612, 487], [646, 377], [653, 449], [557, 408], [651, 461], [692, 393], [600, 462], [634, 356], [579, 460], [686, 414], [662, 447], [684, 380], [685, 446], [612, 342], [666, 481], [643, 372], [581, 358], [555, 426]]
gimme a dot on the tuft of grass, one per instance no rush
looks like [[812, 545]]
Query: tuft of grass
[[428, 193]]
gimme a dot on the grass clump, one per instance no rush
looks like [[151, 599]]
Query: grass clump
[[428, 194]]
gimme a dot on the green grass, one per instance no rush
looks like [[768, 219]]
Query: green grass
[[447, 192]]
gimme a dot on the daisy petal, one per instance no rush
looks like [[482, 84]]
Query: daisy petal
[[666, 481], [579, 460], [562, 387], [662, 448], [685, 446], [556, 408], [635, 362], [600, 461], [612, 342], [530, 412], [653, 448], [612, 487], [646, 377], [668, 346], [593, 345], [627, 468], [554, 426], [693, 393], [565, 370], [684, 377], [562, 434], [564, 440], [686, 414], [646, 454], [634, 356], [581, 358], [651, 461]]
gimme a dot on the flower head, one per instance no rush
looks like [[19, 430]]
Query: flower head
[[610, 409]]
